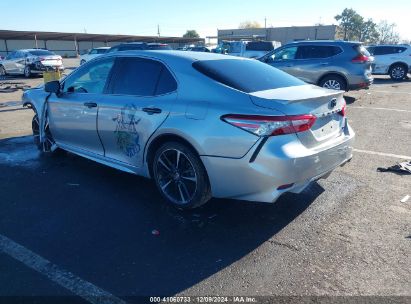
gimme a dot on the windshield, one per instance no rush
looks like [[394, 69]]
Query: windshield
[[41, 53], [246, 75]]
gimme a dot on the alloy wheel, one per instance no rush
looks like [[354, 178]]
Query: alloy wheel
[[176, 176], [332, 84], [398, 72], [27, 72]]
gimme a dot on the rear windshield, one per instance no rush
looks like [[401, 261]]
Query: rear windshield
[[41, 53], [259, 46], [246, 75], [361, 49]]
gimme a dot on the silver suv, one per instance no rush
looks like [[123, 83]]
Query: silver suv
[[338, 65], [393, 60]]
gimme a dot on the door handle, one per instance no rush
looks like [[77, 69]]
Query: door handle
[[90, 104], [324, 63], [151, 111]]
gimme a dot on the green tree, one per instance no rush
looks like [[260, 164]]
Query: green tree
[[249, 24], [191, 34], [350, 22], [367, 32]]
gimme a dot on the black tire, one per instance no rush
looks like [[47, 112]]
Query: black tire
[[180, 176], [27, 71], [47, 146], [3, 72], [398, 72], [333, 82]]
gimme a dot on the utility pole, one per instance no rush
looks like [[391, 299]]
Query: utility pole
[[265, 27], [158, 30]]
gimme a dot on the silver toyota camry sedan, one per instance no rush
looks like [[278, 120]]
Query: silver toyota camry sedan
[[200, 125]]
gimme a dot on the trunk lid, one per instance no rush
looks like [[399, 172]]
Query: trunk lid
[[325, 104], [51, 60]]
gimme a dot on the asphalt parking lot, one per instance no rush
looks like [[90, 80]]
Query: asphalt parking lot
[[66, 217]]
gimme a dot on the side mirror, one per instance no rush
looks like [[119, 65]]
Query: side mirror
[[52, 87]]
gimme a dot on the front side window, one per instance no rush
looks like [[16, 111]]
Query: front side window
[[141, 77], [90, 78], [288, 53]]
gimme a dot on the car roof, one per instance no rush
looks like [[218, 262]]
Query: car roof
[[393, 45], [336, 42], [31, 50], [175, 54]]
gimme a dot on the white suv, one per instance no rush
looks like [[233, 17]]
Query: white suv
[[393, 60]]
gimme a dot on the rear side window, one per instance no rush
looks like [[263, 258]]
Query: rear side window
[[387, 50], [317, 51], [141, 77], [246, 75], [259, 46], [362, 50]]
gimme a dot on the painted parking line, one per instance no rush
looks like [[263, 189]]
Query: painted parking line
[[64, 278], [383, 154], [383, 109]]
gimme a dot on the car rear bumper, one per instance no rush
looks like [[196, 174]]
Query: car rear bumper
[[40, 68], [282, 164], [361, 83]]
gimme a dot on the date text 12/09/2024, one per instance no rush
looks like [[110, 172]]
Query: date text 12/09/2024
[[203, 299]]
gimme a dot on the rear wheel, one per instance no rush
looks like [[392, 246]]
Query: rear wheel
[[397, 72], [49, 144], [180, 176], [27, 72], [333, 82]]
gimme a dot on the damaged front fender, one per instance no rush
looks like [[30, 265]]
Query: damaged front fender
[[37, 100]]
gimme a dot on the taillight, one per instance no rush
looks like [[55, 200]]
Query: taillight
[[271, 125], [360, 59], [343, 110]]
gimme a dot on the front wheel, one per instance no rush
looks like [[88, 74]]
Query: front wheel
[[397, 72], [333, 82], [49, 144], [180, 176], [2, 71]]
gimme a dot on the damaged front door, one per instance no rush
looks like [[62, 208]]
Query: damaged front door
[[73, 114]]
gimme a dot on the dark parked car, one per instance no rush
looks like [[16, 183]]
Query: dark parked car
[[130, 46], [338, 65], [198, 49]]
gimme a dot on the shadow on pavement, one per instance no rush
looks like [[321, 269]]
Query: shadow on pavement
[[98, 223], [378, 81]]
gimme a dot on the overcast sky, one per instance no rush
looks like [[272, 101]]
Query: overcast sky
[[140, 17]]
